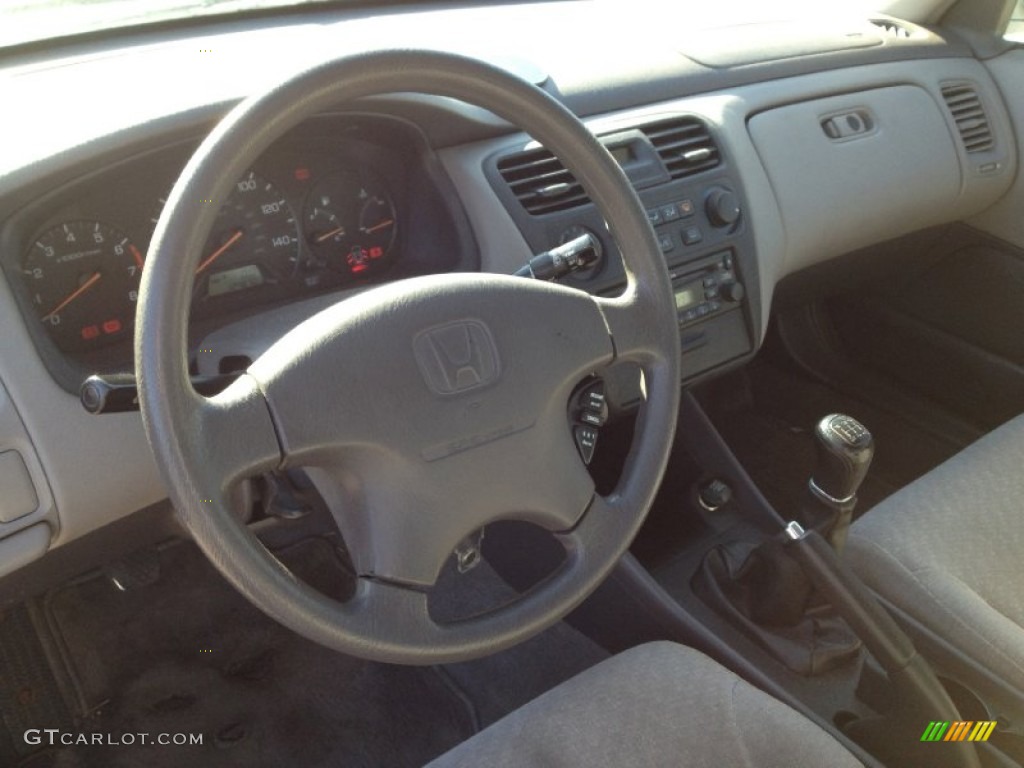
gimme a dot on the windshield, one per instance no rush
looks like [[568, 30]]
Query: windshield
[[27, 21]]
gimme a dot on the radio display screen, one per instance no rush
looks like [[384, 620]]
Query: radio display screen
[[688, 296]]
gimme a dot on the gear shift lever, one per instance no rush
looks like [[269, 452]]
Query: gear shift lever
[[844, 450], [765, 592]]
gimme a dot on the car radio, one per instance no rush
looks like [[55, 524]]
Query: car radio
[[706, 287]]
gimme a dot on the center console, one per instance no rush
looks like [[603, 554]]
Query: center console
[[695, 203]]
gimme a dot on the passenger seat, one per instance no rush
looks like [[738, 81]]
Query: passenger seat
[[948, 550]]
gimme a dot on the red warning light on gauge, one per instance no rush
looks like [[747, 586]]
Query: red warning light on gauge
[[358, 259], [302, 174], [112, 326], [90, 332], [376, 252]]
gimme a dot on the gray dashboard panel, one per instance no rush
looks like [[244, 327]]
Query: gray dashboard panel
[[898, 176], [729, 112], [1005, 219], [90, 470], [100, 469], [27, 500]]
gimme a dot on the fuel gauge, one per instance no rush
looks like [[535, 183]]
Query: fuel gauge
[[351, 224]]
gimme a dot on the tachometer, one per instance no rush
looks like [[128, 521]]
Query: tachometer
[[255, 241], [83, 277]]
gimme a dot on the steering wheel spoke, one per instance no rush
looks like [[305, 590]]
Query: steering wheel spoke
[[639, 333], [598, 533], [235, 432], [402, 516]]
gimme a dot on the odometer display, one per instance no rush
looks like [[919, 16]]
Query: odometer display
[[232, 280], [83, 277]]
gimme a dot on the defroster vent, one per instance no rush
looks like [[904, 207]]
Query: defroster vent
[[971, 120]]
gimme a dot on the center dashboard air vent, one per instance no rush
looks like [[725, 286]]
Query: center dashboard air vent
[[543, 185], [684, 145], [969, 115]]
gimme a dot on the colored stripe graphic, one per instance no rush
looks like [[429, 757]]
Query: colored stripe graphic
[[983, 730], [934, 731], [959, 730]]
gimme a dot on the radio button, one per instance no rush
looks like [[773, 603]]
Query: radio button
[[692, 235], [669, 212]]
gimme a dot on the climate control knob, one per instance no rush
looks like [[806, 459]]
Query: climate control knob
[[722, 207]]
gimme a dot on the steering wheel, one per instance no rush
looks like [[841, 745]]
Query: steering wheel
[[433, 405]]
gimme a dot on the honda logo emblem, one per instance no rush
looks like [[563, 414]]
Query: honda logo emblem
[[457, 357]]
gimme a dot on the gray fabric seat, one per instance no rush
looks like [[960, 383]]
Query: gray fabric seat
[[659, 704], [949, 551]]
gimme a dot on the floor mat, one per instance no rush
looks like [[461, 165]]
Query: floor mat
[[767, 414], [180, 652], [498, 684], [29, 693], [187, 654]]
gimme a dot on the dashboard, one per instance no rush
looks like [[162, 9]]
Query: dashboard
[[829, 138], [339, 204]]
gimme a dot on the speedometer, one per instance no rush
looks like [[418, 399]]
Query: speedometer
[[83, 277], [255, 241]]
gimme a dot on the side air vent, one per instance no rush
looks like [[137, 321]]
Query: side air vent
[[971, 121], [684, 145], [892, 30], [540, 182]]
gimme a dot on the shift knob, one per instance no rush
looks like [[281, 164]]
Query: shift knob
[[844, 452]]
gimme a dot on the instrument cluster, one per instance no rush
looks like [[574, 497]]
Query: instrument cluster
[[325, 209]]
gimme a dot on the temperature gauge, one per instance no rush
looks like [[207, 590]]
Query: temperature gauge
[[351, 224]]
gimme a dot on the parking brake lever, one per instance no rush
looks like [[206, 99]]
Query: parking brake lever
[[577, 254], [919, 690], [119, 392]]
